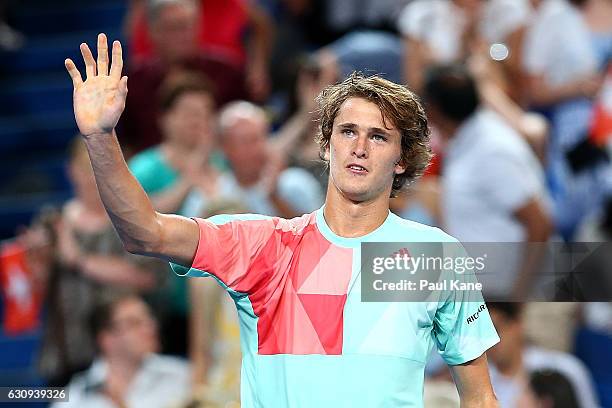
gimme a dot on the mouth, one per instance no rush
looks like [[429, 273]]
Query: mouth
[[357, 169]]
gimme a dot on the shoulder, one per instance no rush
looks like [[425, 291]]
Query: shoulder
[[296, 224], [406, 230], [168, 364]]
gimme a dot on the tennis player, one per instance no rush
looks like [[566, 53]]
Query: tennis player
[[307, 338]]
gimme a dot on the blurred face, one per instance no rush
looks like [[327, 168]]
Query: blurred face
[[133, 334], [510, 334], [363, 154], [174, 32], [245, 146], [189, 121]]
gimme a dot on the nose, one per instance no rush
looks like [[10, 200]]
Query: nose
[[360, 148]]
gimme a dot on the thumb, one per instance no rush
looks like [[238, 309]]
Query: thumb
[[123, 85]]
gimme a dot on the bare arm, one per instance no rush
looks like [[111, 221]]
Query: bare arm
[[260, 46], [538, 228], [541, 93], [416, 59], [98, 104], [473, 384]]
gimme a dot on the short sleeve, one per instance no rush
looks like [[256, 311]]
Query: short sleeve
[[462, 328], [240, 251]]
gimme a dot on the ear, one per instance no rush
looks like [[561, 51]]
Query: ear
[[326, 153], [400, 167]]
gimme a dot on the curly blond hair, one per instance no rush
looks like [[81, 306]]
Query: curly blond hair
[[397, 104]]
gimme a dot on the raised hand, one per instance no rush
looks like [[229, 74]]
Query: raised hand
[[100, 100]]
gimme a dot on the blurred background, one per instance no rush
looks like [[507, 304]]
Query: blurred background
[[220, 119]]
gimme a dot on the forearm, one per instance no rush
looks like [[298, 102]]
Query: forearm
[[532, 256], [117, 271], [263, 34], [544, 94], [531, 126], [479, 399], [125, 201]]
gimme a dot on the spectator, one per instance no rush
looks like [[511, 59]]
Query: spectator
[[127, 371], [174, 24], [492, 184], [169, 171], [563, 80], [513, 360], [184, 157], [214, 330], [221, 30], [259, 178], [91, 264], [553, 390], [446, 31], [598, 16]]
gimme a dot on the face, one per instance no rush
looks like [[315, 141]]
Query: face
[[363, 153], [245, 146], [133, 334], [174, 32], [189, 121]]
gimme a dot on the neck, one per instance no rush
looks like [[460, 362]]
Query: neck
[[350, 219], [123, 368], [175, 147]]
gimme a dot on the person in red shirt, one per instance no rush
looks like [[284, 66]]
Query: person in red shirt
[[174, 38]]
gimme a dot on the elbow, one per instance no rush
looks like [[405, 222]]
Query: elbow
[[136, 247], [146, 243]]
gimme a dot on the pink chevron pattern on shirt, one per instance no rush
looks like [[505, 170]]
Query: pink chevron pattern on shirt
[[299, 283]]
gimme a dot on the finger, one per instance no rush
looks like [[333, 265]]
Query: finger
[[123, 85], [117, 62], [102, 54], [90, 63], [73, 72]]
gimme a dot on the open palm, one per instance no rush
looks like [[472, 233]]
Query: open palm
[[100, 100]]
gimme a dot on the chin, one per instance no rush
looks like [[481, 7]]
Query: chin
[[357, 194]]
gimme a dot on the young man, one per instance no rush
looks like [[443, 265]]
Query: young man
[[128, 372], [307, 338]]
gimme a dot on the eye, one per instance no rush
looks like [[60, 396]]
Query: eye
[[348, 132], [379, 138]]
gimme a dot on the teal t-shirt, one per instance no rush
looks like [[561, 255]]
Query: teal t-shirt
[[307, 338], [153, 171]]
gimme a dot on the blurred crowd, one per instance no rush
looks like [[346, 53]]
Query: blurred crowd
[[220, 118]]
